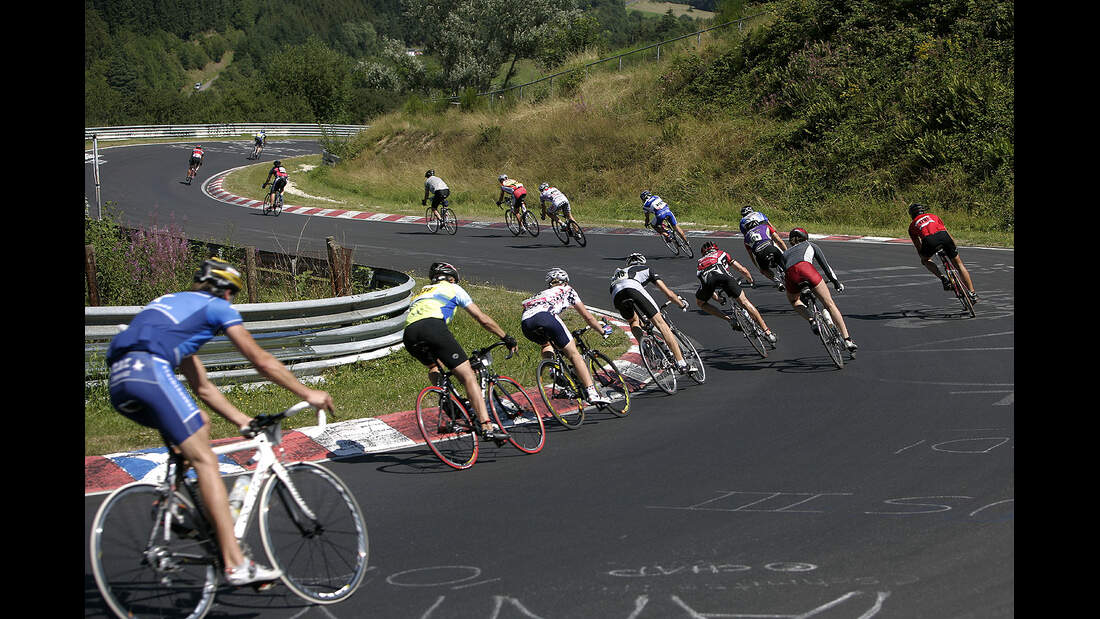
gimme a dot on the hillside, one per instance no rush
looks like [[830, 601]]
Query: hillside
[[829, 116]]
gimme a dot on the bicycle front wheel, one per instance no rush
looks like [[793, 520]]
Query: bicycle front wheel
[[514, 411], [142, 572], [750, 329], [277, 206], [682, 241], [561, 231], [670, 243], [658, 363], [530, 223], [609, 381], [430, 220], [450, 222], [577, 233], [511, 222], [691, 355], [447, 427], [830, 337], [314, 531], [560, 394]]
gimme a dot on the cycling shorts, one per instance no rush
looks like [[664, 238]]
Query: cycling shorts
[[545, 327], [715, 280], [278, 184], [259, 141], [769, 257], [659, 217], [631, 299], [429, 339], [801, 272], [195, 162], [554, 209], [440, 197], [144, 388], [932, 243]]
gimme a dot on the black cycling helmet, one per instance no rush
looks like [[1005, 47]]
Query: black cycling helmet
[[219, 273], [798, 235], [708, 247], [429, 173], [635, 258], [745, 210], [278, 163], [442, 269], [916, 209]]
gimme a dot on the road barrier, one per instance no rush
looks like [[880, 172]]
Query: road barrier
[[220, 131]]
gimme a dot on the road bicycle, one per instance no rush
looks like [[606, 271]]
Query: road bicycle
[[957, 285], [745, 323], [154, 551], [561, 389], [687, 348], [657, 356], [526, 220], [565, 229], [826, 328], [445, 220], [450, 428], [275, 205], [673, 239], [191, 171], [257, 149]]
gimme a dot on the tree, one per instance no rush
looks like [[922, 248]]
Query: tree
[[314, 74]]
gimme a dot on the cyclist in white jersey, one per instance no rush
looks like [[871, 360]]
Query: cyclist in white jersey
[[437, 190], [558, 202], [542, 325], [629, 296]]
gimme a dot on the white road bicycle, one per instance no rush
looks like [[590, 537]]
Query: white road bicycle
[[154, 552]]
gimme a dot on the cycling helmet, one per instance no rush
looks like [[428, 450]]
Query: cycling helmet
[[544, 186], [635, 258], [429, 173], [798, 235], [221, 274], [916, 209], [745, 210], [556, 274], [442, 269], [502, 178], [278, 163], [645, 194], [708, 247]]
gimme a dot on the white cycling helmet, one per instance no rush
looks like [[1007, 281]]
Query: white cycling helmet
[[544, 186], [502, 178], [556, 274]]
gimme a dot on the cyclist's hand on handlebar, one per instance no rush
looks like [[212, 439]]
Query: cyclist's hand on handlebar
[[424, 202], [510, 343], [320, 399], [607, 330], [839, 286]]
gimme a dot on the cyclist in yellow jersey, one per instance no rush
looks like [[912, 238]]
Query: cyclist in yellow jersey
[[430, 342]]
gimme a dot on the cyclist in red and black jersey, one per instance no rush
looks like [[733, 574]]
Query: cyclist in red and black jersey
[[713, 272], [281, 176], [929, 235]]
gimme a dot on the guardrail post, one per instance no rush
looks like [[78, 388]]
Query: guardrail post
[[89, 273], [337, 272], [250, 272]]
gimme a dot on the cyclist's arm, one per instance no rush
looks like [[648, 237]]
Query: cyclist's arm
[[819, 257], [587, 315], [672, 296], [195, 373], [486, 321], [737, 265], [273, 369], [775, 237]]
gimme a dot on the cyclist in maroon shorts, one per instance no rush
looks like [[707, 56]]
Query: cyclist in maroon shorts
[[799, 259]]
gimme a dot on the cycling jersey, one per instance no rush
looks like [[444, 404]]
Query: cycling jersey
[[660, 210], [555, 197], [197, 153], [174, 326], [799, 260], [513, 188], [924, 225], [714, 262], [438, 300], [279, 172], [554, 300], [757, 231], [260, 137], [634, 276], [433, 184]]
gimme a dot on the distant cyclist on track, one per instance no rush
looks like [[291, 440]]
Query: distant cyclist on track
[[195, 162], [558, 203], [513, 190], [713, 271], [279, 173], [430, 342], [660, 210], [800, 258], [762, 241], [541, 320], [929, 235], [437, 190]]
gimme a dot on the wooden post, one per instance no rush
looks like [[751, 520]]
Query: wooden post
[[89, 273], [335, 266], [250, 272]]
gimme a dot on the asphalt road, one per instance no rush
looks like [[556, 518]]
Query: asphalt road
[[780, 488]]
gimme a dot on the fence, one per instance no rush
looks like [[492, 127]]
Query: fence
[[619, 57], [222, 130]]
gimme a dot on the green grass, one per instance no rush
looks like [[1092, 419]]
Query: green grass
[[359, 390]]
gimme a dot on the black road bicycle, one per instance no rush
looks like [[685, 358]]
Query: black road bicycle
[[826, 328], [446, 220], [957, 285]]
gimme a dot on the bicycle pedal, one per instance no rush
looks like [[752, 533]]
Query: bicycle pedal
[[263, 586]]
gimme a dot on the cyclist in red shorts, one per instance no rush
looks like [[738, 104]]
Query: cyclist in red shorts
[[799, 259], [929, 235]]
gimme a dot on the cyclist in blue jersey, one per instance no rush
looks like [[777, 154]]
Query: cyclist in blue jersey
[[429, 341], [654, 205], [762, 242], [164, 337]]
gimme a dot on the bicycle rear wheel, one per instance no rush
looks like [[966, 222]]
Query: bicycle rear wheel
[[277, 204], [530, 224], [577, 233], [682, 241], [560, 393], [430, 220], [447, 427], [750, 329], [323, 556], [514, 411], [830, 337], [658, 363], [670, 243], [687, 349], [138, 571], [450, 222], [561, 232], [511, 222], [609, 381]]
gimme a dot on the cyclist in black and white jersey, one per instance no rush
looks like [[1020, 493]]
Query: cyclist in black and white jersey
[[629, 296], [437, 190]]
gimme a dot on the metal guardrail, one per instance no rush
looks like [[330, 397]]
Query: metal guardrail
[[222, 130], [307, 336]]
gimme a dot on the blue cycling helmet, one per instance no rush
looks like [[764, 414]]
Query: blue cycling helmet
[[645, 194]]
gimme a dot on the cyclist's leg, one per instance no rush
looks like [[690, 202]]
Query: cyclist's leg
[[795, 299], [214, 494], [702, 298], [468, 377], [952, 252], [742, 298], [670, 339], [822, 292]]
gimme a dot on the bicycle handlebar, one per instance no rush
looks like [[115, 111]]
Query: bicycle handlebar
[[259, 422]]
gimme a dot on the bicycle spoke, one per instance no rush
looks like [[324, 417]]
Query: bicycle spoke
[[514, 411], [560, 394], [658, 364]]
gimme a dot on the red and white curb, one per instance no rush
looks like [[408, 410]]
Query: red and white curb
[[344, 439]]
